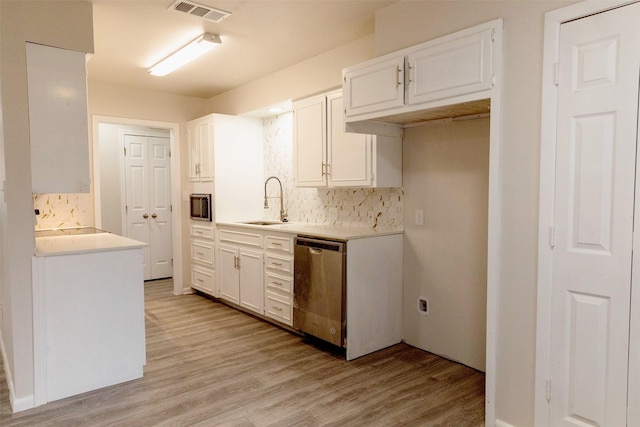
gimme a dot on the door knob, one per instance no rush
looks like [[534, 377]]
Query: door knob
[[145, 216], [154, 215]]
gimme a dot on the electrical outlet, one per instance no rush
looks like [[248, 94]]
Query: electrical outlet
[[423, 306], [371, 216], [332, 214], [419, 217]]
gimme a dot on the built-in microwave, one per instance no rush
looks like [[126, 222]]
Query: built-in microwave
[[200, 207]]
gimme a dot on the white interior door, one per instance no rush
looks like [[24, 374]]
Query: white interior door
[[160, 207], [137, 194], [148, 200], [594, 218]]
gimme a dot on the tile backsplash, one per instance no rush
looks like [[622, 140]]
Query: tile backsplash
[[339, 206], [63, 210]]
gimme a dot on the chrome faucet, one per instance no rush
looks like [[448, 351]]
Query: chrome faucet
[[283, 215]]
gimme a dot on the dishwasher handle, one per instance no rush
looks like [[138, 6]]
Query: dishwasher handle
[[329, 245]]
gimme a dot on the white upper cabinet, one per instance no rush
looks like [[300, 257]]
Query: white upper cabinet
[[449, 69], [325, 155], [200, 149], [452, 70], [310, 142], [386, 76], [58, 121]]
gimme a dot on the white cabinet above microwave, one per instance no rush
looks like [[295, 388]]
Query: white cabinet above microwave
[[456, 69]]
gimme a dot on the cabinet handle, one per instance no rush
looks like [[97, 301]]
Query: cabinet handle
[[276, 244], [398, 79], [145, 216], [324, 169], [279, 264], [277, 308], [200, 253], [154, 216], [409, 68], [200, 280], [277, 283]]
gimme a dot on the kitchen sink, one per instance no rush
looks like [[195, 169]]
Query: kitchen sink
[[263, 222]]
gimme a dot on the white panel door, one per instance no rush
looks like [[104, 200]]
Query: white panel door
[[595, 190], [148, 201], [348, 154], [137, 194], [159, 165]]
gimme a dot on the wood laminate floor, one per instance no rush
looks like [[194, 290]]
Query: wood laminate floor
[[210, 365]]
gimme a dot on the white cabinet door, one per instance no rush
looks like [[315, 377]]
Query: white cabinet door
[[199, 134], [449, 69], [376, 85], [348, 154], [194, 151], [58, 121], [228, 275], [205, 140], [309, 142], [251, 269]]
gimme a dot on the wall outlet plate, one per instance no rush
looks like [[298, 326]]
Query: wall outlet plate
[[332, 214]]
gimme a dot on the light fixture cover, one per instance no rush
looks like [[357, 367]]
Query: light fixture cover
[[185, 54]]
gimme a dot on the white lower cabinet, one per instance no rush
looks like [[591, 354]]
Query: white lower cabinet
[[203, 275], [241, 268], [255, 271]]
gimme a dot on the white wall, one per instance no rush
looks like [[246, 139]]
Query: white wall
[[523, 22], [68, 25], [446, 175], [315, 75]]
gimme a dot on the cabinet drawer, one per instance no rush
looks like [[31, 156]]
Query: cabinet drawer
[[202, 252], [240, 237], [277, 243], [203, 279], [279, 264], [276, 307], [274, 281], [202, 231]]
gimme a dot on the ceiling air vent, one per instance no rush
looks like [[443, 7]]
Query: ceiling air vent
[[202, 11]]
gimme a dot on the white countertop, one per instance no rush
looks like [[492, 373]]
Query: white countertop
[[327, 231], [81, 243]]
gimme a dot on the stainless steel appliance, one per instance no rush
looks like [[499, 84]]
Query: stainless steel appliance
[[320, 292], [200, 207]]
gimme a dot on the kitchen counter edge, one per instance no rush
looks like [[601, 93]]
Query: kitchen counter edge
[[325, 231], [83, 243]]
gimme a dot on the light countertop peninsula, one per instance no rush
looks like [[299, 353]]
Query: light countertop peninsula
[[83, 243]]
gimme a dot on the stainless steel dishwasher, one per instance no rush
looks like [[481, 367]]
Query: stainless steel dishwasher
[[319, 288]]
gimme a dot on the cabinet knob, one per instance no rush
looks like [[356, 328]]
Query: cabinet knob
[[145, 216], [154, 215]]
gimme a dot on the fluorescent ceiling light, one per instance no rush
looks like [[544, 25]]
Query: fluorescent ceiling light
[[185, 54]]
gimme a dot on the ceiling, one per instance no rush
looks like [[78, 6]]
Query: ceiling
[[259, 38]]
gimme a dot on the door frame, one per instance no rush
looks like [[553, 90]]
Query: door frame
[[176, 214], [549, 113]]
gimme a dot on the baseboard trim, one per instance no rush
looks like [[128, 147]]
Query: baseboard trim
[[500, 423], [22, 403]]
